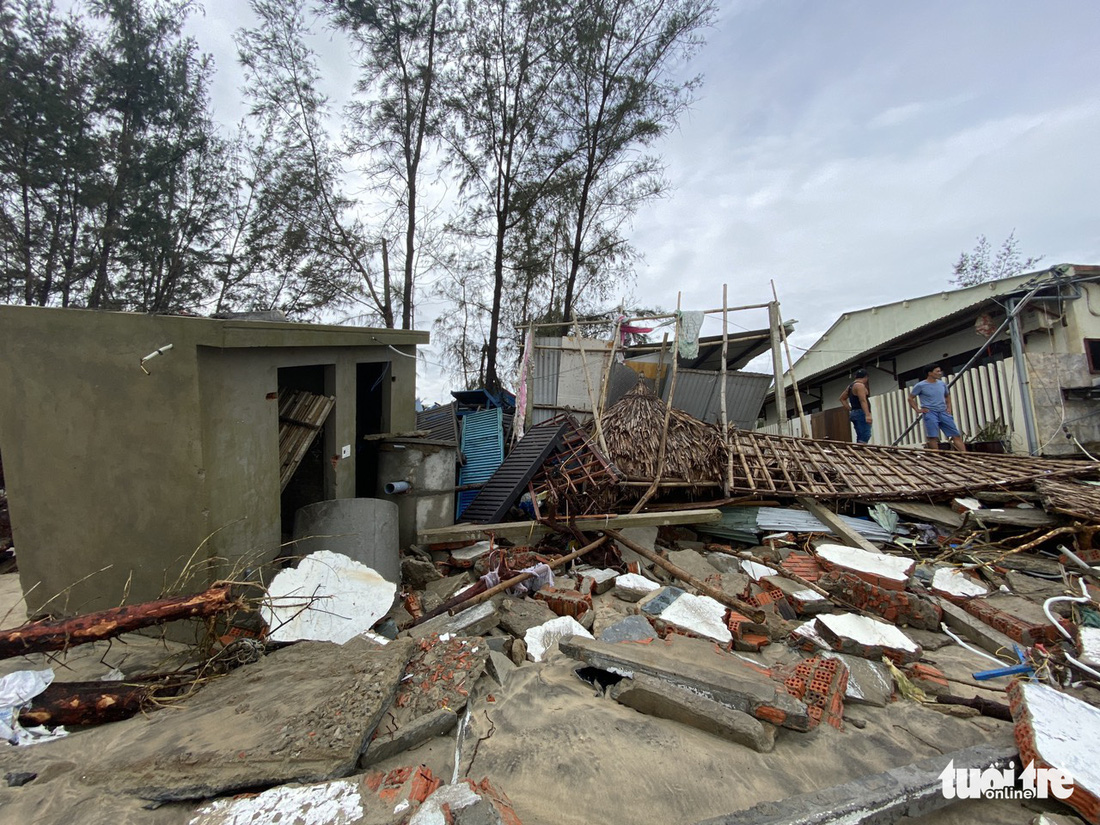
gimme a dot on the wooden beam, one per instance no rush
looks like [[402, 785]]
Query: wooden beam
[[836, 525], [531, 530]]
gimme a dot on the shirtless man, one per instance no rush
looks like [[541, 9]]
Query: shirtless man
[[931, 399], [857, 396]]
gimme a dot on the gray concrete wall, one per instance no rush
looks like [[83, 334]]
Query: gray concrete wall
[[117, 479], [430, 469]]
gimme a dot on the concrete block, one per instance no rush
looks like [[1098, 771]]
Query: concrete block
[[895, 606], [955, 584], [595, 581], [1055, 730], [540, 640], [500, 667], [659, 600], [693, 562], [388, 743], [887, 571], [655, 697], [631, 587], [700, 616], [645, 536], [727, 679], [517, 616], [974, 630], [474, 621], [867, 637], [880, 799], [869, 683], [468, 556], [630, 629], [724, 562], [801, 598]]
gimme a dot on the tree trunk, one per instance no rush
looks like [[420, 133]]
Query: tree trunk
[[61, 634]]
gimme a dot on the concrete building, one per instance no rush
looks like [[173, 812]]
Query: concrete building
[[1038, 377], [124, 476]]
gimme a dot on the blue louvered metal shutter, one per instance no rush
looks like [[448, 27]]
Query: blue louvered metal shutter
[[483, 447]]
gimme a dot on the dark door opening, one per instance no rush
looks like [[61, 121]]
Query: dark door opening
[[371, 391], [312, 479]]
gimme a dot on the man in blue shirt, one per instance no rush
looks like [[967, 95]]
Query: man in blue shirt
[[931, 399]]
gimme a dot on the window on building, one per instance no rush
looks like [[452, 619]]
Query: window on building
[[1092, 351]]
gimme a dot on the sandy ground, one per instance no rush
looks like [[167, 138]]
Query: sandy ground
[[565, 754]]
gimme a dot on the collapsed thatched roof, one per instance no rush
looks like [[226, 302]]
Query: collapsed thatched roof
[[632, 429]]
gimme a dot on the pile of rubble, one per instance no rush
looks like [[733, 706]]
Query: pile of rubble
[[696, 661]]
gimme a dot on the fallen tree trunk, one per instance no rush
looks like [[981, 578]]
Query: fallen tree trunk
[[61, 634], [93, 703], [750, 610]]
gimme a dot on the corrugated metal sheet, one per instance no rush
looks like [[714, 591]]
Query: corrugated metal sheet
[[746, 523], [699, 394], [543, 381], [441, 422], [483, 448], [507, 484]]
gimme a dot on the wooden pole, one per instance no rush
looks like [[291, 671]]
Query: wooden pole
[[615, 336], [588, 384], [750, 610], [463, 603], [668, 415], [777, 369], [727, 482], [802, 421]]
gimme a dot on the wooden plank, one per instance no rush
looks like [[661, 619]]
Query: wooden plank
[[845, 533], [530, 530], [934, 513]]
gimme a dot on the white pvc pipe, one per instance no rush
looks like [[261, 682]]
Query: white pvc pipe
[[394, 488]]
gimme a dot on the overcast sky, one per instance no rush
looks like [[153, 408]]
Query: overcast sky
[[851, 150]]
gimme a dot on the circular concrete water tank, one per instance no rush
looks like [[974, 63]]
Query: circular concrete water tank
[[364, 529]]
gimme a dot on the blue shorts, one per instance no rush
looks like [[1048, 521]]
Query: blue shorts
[[936, 420], [863, 429]]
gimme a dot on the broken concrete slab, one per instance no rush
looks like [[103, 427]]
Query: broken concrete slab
[[656, 697], [474, 621], [866, 637], [699, 616], [500, 667], [724, 562], [909, 791], [869, 683], [540, 640], [467, 556], [954, 583], [877, 568], [301, 714], [417, 572], [341, 800], [693, 562], [440, 674], [804, 600], [595, 581], [645, 536], [517, 616], [629, 629], [631, 587], [725, 679], [657, 601], [327, 597], [389, 741], [466, 803], [974, 630], [1055, 730]]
